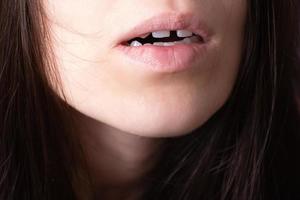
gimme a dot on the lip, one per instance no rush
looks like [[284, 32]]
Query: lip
[[167, 58]]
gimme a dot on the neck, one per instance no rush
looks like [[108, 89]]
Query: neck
[[117, 161]]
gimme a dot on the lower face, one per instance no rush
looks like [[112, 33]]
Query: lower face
[[113, 75]]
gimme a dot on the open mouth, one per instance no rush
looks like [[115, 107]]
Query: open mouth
[[166, 43], [165, 38]]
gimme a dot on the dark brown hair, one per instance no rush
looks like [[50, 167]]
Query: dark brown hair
[[247, 150]]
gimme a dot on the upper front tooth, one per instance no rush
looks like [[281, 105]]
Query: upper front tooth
[[184, 33], [161, 34]]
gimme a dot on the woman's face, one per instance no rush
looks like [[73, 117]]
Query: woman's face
[[158, 89]]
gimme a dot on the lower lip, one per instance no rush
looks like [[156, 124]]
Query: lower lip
[[167, 59]]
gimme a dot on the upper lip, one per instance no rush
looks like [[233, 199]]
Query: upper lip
[[169, 21]]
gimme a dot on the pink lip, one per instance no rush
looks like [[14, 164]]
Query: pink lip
[[167, 58]]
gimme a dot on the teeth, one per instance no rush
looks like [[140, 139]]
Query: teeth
[[158, 43], [164, 34], [164, 43], [135, 43], [189, 40], [161, 34], [184, 33], [182, 42]]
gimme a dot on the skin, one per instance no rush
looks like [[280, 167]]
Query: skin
[[125, 113]]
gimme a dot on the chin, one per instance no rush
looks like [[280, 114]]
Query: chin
[[156, 115], [159, 120]]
